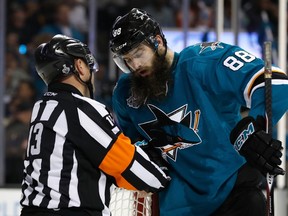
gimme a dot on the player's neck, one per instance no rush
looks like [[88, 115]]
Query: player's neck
[[170, 56]]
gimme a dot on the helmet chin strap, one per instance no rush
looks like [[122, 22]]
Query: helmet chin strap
[[88, 83], [164, 54], [90, 86], [157, 50]]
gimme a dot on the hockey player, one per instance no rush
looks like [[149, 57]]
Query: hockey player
[[75, 151], [189, 103]]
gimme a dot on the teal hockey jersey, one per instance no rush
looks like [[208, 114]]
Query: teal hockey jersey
[[211, 81]]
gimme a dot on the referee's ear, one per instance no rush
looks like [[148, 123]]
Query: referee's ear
[[82, 69]]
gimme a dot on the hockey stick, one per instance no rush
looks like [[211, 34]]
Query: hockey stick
[[268, 108]]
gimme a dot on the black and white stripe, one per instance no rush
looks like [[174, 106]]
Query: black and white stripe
[[69, 137]]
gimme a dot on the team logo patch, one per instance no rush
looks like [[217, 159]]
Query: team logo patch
[[177, 125], [139, 15], [212, 45], [65, 69]]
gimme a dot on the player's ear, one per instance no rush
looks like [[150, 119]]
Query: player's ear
[[159, 44], [158, 40]]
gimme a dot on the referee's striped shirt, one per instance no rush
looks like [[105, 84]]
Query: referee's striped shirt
[[75, 152]]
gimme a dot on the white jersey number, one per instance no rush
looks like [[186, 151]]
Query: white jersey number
[[35, 134], [234, 64]]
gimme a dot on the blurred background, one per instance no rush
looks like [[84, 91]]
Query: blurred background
[[25, 24]]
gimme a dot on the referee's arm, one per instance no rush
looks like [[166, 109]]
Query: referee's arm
[[113, 153], [131, 167]]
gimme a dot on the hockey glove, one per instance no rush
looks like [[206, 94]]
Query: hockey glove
[[259, 149]]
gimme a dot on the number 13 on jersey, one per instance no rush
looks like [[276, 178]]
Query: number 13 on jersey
[[34, 141]]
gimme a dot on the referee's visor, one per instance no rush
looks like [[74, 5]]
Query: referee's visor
[[92, 63]]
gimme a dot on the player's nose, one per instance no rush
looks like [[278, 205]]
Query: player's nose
[[136, 65]]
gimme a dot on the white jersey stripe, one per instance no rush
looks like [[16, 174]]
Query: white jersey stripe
[[274, 82], [39, 197], [90, 126], [54, 174], [100, 107], [35, 175], [145, 175], [102, 186], [73, 187], [49, 108], [35, 110], [55, 199], [28, 179]]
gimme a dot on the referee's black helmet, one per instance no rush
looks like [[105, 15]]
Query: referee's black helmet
[[55, 59]]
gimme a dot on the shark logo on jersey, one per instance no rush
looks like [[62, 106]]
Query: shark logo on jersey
[[176, 126], [212, 45]]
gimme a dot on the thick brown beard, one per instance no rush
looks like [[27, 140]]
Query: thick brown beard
[[153, 86]]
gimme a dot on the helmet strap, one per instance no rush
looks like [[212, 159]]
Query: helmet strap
[[154, 43], [164, 54], [88, 83], [90, 86]]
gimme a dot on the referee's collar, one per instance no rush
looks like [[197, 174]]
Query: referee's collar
[[60, 87]]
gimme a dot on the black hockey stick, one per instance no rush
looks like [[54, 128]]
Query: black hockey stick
[[268, 108]]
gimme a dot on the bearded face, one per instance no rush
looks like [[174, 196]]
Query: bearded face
[[154, 86]]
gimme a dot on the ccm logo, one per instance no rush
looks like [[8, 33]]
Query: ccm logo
[[244, 136]]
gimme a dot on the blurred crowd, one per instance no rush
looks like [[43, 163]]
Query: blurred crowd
[[32, 22]]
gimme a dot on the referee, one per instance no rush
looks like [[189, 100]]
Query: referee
[[75, 151]]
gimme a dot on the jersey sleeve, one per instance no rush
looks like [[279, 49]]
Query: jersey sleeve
[[131, 167], [114, 154], [240, 76]]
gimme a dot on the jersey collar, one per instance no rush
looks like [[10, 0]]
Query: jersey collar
[[60, 87]]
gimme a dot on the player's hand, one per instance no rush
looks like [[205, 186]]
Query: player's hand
[[259, 149]]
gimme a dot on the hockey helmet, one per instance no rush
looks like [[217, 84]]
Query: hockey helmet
[[130, 30], [55, 59]]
